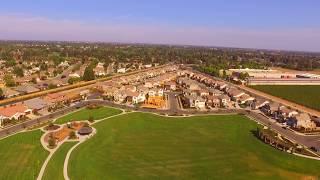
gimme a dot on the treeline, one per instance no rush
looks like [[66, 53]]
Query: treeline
[[17, 52]]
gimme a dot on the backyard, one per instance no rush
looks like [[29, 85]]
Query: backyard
[[305, 95], [147, 146], [86, 113]]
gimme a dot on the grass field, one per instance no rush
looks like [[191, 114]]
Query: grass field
[[305, 95], [54, 169], [146, 146], [85, 113], [22, 156]]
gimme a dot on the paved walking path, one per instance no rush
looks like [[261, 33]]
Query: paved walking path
[[52, 151], [83, 139], [66, 160]]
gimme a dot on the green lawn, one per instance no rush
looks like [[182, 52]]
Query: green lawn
[[54, 169], [305, 95], [146, 146], [85, 113], [22, 156]]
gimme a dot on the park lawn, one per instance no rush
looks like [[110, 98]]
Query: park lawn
[[84, 114], [54, 169], [305, 95], [147, 146], [22, 156]]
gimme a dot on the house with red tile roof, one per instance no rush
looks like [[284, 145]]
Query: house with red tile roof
[[16, 111]]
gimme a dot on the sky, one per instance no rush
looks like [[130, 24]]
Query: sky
[[266, 24]]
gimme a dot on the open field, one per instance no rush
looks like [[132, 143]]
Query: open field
[[146, 146], [316, 71], [305, 95], [22, 156], [54, 169], [84, 114]]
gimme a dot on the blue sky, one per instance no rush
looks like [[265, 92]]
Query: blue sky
[[280, 24]]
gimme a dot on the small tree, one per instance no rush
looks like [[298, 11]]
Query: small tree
[[9, 80], [91, 119], [86, 125], [18, 71], [52, 142], [52, 86], [72, 135]]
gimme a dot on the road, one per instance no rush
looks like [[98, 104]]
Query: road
[[281, 101], [267, 96], [308, 141], [173, 102]]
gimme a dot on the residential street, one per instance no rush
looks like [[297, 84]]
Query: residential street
[[309, 141], [281, 101]]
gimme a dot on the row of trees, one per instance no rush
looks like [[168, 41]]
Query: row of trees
[[57, 53]]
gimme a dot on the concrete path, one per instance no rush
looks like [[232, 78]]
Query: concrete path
[[66, 160], [81, 140]]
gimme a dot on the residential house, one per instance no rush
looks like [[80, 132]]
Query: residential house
[[271, 109], [259, 103], [235, 94], [74, 75], [214, 92], [131, 88], [36, 104], [221, 85], [121, 70], [302, 121], [148, 65], [26, 89], [246, 99], [316, 120], [203, 92], [9, 93], [156, 92], [54, 99], [225, 100], [171, 85], [188, 92], [120, 96], [194, 87], [72, 96], [285, 113], [131, 96], [99, 70], [149, 84], [213, 101], [142, 89], [15, 111], [194, 102], [64, 64]]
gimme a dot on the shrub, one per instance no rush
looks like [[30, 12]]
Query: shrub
[[86, 125], [91, 119], [72, 135], [52, 142]]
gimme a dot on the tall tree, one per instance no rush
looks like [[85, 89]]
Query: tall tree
[[88, 74], [9, 80], [18, 71]]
